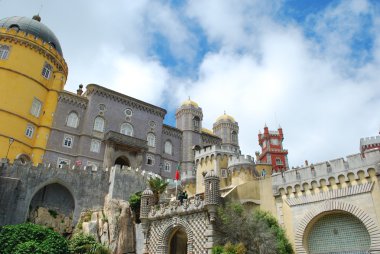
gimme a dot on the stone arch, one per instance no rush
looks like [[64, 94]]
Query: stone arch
[[174, 224], [333, 205], [24, 158], [122, 161]]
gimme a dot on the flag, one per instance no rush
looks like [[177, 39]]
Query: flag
[[177, 173]]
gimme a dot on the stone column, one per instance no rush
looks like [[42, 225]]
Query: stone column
[[108, 154]]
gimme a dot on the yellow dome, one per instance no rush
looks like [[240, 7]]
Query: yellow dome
[[190, 103], [225, 117], [207, 131]]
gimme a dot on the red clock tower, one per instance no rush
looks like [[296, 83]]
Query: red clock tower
[[272, 151]]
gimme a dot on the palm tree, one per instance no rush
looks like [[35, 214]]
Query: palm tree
[[158, 186]]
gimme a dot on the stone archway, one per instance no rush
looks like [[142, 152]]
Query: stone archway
[[329, 207], [122, 161], [53, 206], [178, 241]]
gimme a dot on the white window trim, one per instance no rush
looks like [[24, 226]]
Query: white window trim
[[128, 112], [279, 161], [167, 163], [36, 107], [95, 145], [122, 130], [70, 120], [97, 127], [47, 70], [66, 136], [67, 161], [4, 52], [29, 129], [168, 147], [151, 138], [93, 164]]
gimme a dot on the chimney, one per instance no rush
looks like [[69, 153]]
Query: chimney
[[80, 90]]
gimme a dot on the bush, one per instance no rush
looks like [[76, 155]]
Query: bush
[[86, 244], [135, 203], [30, 238]]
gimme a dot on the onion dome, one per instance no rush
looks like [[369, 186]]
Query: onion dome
[[207, 131], [225, 118], [190, 103], [32, 26]]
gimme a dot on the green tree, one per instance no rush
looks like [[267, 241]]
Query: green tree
[[283, 244], [158, 186], [135, 203], [30, 238], [235, 225], [86, 244]]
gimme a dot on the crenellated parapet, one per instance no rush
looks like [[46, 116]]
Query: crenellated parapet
[[327, 173], [369, 143], [240, 161], [215, 150], [35, 43], [175, 208]]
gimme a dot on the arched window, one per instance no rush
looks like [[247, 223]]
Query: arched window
[[234, 136], [126, 129], [168, 149], [167, 166], [4, 52], [47, 70], [278, 161], [151, 138], [99, 124], [196, 123], [72, 120], [29, 131]]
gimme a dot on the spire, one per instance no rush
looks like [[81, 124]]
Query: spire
[[37, 18]]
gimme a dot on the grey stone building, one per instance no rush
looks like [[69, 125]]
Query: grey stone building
[[100, 128]]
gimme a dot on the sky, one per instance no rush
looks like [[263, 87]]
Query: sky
[[311, 66]]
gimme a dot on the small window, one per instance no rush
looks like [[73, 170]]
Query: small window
[[151, 138], [196, 123], [102, 107], [274, 141], [99, 124], [62, 162], [278, 161], [72, 120], [47, 71], [68, 141], [128, 112], [95, 146], [223, 172], [234, 136], [4, 52], [36, 107], [168, 149], [126, 129], [29, 131], [150, 160], [167, 166], [93, 166]]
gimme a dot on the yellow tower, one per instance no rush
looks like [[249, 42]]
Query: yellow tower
[[32, 72]]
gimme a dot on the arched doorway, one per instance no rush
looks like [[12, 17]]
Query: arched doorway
[[122, 161], [178, 242], [53, 206], [338, 232]]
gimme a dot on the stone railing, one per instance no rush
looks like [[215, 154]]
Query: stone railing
[[126, 140], [325, 171], [215, 149], [175, 207]]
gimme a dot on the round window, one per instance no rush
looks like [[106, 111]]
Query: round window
[[128, 112]]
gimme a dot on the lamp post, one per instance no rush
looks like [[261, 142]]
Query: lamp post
[[11, 140]]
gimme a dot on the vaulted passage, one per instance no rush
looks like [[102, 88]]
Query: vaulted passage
[[338, 233], [178, 242], [122, 161]]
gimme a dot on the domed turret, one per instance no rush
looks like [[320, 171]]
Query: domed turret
[[225, 118], [32, 26], [227, 129], [190, 103]]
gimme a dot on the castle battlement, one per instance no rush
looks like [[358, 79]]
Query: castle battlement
[[241, 160], [176, 208], [370, 140], [215, 150], [327, 171]]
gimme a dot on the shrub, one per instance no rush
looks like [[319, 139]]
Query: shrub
[[30, 238], [86, 244]]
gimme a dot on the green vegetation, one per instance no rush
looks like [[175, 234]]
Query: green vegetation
[[30, 238], [158, 186], [53, 213], [86, 244], [135, 203], [257, 233]]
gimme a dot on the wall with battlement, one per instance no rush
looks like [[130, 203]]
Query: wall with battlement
[[240, 161], [325, 171], [215, 149], [20, 183]]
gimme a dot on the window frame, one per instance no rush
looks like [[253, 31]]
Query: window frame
[[151, 158], [60, 159], [167, 166], [35, 109], [70, 121], [29, 131], [196, 123], [279, 161], [171, 147], [47, 70], [68, 141], [151, 139], [122, 130], [98, 145], [4, 52], [97, 126]]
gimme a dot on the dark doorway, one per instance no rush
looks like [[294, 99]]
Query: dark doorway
[[122, 161], [178, 242]]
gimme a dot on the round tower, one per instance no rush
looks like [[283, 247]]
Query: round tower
[[212, 193], [147, 201], [227, 129], [32, 72], [189, 118]]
